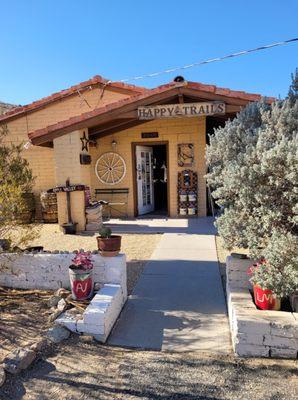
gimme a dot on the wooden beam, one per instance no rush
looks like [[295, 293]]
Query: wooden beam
[[112, 130], [115, 123], [129, 111], [110, 127], [105, 117], [180, 98], [194, 93]]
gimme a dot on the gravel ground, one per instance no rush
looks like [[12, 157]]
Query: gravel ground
[[137, 247], [83, 370], [23, 319]]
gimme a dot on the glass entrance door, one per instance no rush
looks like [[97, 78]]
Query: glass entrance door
[[145, 179]]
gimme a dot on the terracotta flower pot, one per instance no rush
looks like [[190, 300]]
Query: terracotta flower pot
[[69, 228], [265, 299], [109, 247]]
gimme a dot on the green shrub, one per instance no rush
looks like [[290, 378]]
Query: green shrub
[[253, 176], [16, 182]]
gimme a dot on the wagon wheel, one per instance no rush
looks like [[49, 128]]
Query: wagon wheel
[[110, 168]]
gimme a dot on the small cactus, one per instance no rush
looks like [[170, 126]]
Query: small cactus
[[105, 232]]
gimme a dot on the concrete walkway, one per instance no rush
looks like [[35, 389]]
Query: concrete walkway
[[178, 303], [162, 225]]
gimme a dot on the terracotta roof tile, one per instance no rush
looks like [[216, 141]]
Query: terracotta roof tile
[[97, 79], [147, 93]]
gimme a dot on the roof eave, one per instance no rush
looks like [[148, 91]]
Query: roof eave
[[114, 110]]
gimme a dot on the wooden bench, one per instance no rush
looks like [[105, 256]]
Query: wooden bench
[[113, 200]]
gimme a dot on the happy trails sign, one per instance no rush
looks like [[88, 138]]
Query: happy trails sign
[[181, 110]]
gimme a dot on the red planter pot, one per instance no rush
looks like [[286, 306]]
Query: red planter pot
[[265, 299], [81, 282], [109, 247]]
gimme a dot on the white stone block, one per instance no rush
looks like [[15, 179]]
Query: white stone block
[[234, 263], [280, 342], [252, 325], [283, 353], [83, 327], [50, 271], [67, 321], [249, 350], [284, 330], [94, 315], [253, 339]]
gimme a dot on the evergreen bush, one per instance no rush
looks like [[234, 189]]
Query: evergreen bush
[[253, 176], [16, 181]]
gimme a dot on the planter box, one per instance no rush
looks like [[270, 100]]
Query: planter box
[[48, 270], [257, 333]]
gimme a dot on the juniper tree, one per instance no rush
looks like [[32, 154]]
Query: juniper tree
[[293, 90], [253, 176], [15, 179]]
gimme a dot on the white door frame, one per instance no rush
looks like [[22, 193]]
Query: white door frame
[[144, 176], [134, 166]]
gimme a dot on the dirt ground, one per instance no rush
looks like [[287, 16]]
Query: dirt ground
[[81, 369], [24, 318], [137, 247]]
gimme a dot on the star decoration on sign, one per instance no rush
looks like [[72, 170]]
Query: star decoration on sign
[[85, 141]]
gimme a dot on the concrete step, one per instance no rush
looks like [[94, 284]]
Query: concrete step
[[100, 316]]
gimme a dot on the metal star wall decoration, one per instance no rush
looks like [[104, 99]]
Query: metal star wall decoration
[[85, 141]]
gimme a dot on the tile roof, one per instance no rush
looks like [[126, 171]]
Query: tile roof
[[97, 79], [4, 107], [146, 94]]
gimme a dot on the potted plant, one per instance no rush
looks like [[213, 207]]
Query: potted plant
[[271, 284], [108, 245], [69, 228], [81, 276]]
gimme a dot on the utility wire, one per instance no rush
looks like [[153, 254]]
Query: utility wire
[[211, 60], [170, 70]]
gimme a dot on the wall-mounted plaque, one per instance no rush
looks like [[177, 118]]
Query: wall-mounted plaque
[[85, 159], [185, 154], [181, 110], [149, 135]]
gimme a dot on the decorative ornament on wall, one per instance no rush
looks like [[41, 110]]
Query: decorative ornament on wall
[[185, 154], [110, 168], [85, 141]]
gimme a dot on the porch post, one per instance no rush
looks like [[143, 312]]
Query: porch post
[[67, 150]]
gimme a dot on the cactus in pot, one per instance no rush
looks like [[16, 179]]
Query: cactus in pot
[[108, 245]]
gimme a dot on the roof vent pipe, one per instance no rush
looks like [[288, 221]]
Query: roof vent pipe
[[179, 78]]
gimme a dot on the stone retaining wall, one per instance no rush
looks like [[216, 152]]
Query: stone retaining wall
[[257, 333], [50, 270]]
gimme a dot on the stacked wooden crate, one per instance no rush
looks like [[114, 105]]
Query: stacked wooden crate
[[49, 207]]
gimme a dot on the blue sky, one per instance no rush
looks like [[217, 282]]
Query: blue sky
[[47, 46]]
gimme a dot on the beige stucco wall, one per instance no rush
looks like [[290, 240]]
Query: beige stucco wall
[[41, 159], [67, 166], [175, 131]]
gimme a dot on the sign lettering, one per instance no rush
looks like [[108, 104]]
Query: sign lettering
[[181, 110]]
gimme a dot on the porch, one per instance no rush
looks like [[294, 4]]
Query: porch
[[142, 155]]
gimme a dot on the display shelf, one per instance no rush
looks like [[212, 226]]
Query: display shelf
[[187, 193]]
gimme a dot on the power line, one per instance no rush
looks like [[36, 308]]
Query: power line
[[211, 60]]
